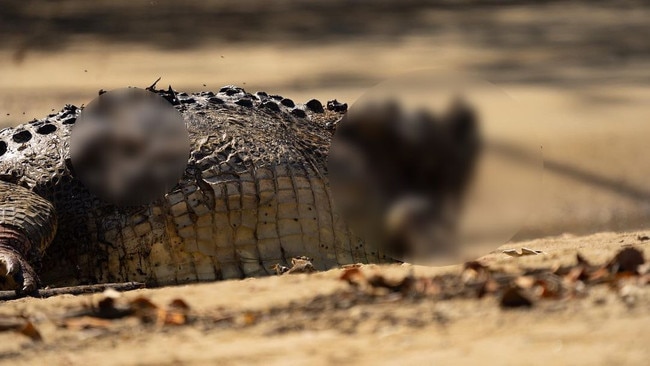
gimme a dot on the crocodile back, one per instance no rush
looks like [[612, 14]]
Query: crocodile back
[[254, 193]]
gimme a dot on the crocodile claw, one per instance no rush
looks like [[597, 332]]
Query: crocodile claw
[[16, 273]]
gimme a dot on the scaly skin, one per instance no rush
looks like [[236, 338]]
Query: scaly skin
[[255, 193]]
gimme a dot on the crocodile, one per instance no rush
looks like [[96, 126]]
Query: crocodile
[[254, 193]]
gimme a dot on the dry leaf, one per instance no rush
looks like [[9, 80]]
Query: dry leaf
[[142, 303], [403, 285], [528, 251], [20, 325], [86, 322], [146, 310], [164, 317], [176, 313], [301, 265], [524, 252], [575, 274], [474, 271], [475, 265], [352, 275], [279, 269], [582, 261], [179, 304], [600, 275], [108, 309], [511, 252], [549, 286], [514, 297], [627, 260], [30, 331]]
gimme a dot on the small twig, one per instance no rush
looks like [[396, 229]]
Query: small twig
[[152, 87], [72, 290]]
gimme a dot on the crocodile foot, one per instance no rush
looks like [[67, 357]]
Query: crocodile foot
[[15, 272]]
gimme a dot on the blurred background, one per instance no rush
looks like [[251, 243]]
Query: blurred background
[[581, 67]]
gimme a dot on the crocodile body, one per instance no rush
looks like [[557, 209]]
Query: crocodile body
[[254, 193]]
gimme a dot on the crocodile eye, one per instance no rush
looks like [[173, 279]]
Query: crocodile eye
[[3, 148], [22, 136]]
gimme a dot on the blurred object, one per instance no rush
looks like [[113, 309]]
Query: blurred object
[[417, 166], [129, 146], [524, 251]]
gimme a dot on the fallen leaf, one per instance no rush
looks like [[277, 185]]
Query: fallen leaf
[[20, 325], [575, 274], [627, 260], [524, 252], [279, 269], [176, 313], [86, 322], [179, 304], [528, 251], [582, 261], [107, 309], [351, 275], [170, 318], [475, 265], [600, 275], [511, 252], [146, 310], [142, 303], [549, 286], [513, 297], [301, 265], [30, 331], [403, 285]]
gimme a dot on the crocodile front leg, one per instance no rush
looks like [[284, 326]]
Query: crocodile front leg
[[27, 226]]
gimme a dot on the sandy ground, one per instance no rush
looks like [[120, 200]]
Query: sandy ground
[[582, 71], [298, 319]]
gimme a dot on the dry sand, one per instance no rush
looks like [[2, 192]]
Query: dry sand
[[308, 321]]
